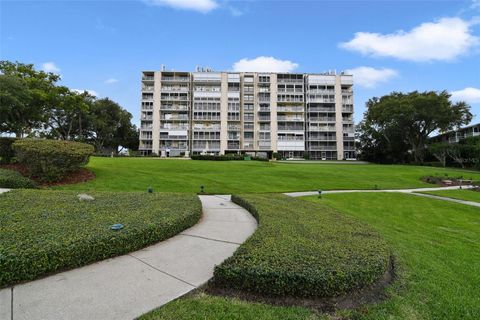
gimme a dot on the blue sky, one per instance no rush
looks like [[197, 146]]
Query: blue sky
[[388, 45]]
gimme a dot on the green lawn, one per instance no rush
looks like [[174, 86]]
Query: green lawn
[[437, 244], [437, 247], [45, 231], [468, 195], [137, 174], [205, 307]]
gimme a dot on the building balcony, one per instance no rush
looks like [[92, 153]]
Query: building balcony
[[320, 100], [173, 108], [177, 79], [322, 119], [290, 119], [323, 148]]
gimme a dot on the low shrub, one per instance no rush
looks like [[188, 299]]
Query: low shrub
[[46, 231], [302, 249], [51, 160], [226, 157], [6, 150], [14, 180]]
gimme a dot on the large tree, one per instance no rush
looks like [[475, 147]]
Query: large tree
[[68, 112], [411, 117], [24, 92], [109, 126]]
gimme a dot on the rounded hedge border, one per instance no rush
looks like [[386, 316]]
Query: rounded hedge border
[[46, 231], [14, 180], [302, 249], [51, 160]]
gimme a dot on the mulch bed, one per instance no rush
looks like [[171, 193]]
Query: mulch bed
[[81, 175]]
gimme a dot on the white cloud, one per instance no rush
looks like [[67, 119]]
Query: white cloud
[[264, 64], [369, 77], [111, 81], [443, 40], [91, 92], [202, 6], [50, 67], [469, 95]]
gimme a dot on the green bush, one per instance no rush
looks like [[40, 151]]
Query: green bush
[[302, 249], [13, 179], [226, 157], [6, 150], [45, 231], [51, 160]]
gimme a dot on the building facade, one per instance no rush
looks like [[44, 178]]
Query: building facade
[[455, 136], [207, 112]]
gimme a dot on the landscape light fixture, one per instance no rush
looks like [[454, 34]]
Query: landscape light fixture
[[319, 194]]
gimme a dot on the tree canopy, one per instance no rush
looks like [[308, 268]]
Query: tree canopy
[[396, 126], [32, 103]]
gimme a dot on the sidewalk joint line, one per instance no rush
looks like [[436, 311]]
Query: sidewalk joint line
[[168, 274], [11, 303], [218, 240]]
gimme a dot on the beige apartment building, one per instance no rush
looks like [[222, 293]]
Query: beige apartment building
[[207, 112]]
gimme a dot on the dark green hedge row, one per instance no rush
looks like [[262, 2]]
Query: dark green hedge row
[[302, 249], [6, 150], [226, 157], [45, 231], [14, 180], [51, 160]]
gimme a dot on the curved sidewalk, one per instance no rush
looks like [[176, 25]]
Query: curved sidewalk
[[127, 286], [409, 191]]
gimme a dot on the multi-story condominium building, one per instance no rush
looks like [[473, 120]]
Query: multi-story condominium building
[[455, 136], [207, 112]]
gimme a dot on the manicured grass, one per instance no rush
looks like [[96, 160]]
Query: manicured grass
[[12, 179], [137, 174], [204, 307], [437, 246], [44, 231], [468, 195], [302, 249]]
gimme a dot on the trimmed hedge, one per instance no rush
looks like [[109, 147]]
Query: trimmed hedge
[[13, 179], [6, 150], [45, 231], [226, 157], [51, 160], [302, 249]]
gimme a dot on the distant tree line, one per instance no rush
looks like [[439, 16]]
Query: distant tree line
[[33, 104], [396, 129]]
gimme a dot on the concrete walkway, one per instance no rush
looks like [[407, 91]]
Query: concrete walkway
[[468, 203], [125, 287], [314, 193], [410, 191]]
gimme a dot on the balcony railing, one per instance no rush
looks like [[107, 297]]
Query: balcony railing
[[322, 119], [182, 79], [296, 119], [289, 109], [173, 108]]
